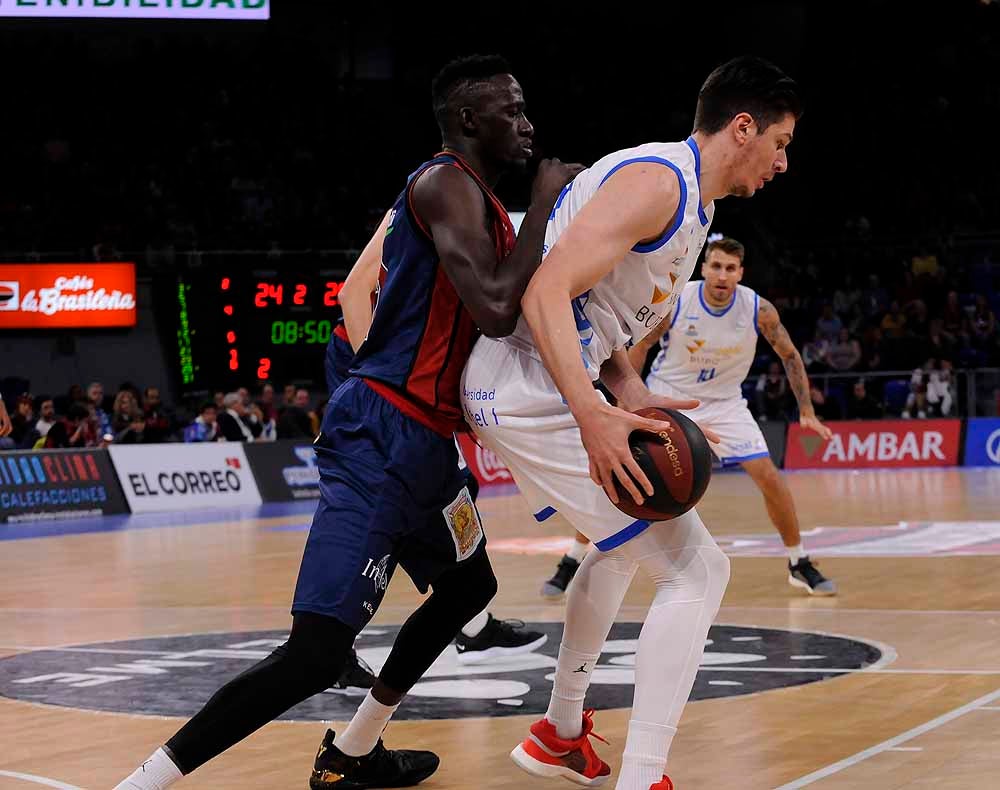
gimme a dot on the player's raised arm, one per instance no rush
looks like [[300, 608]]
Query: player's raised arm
[[452, 205], [356, 295], [770, 326], [636, 204]]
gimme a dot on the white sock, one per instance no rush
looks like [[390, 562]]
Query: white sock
[[795, 553], [568, 691], [475, 626], [578, 551], [157, 773], [645, 756], [365, 728]]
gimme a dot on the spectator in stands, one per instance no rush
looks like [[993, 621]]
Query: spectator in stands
[[814, 354], [894, 322], [75, 393], [70, 432], [874, 298], [127, 423], [939, 389], [871, 352], [46, 415], [288, 398], [218, 398], [772, 394], [917, 322], [302, 402], [861, 405], [294, 422], [847, 296], [159, 423], [5, 426], [953, 319], [234, 422], [844, 353], [941, 343], [266, 401], [917, 399], [204, 427], [95, 397], [825, 408], [828, 325], [22, 422], [982, 326]]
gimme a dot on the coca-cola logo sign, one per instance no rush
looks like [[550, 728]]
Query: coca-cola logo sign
[[490, 465], [485, 464]]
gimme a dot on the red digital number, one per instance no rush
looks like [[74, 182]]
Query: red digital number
[[230, 337], [228, 309], [264, 368], [234, 359], [260, 300], [300, 294], [267, 291], [330, 297], [225, 284]]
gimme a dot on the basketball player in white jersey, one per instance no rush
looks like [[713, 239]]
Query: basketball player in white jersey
[[623, 239], [706, 350]]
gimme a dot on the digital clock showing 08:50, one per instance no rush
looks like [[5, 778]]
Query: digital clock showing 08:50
[[285, 333]]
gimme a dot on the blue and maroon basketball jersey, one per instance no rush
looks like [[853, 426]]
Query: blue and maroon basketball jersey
[[421, 334]]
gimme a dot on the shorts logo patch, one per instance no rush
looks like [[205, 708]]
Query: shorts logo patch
[[378, 572], [464, 525]]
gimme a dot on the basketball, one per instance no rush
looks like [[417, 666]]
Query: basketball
[[678, 462]]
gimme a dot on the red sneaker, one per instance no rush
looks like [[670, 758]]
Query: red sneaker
[[543, 753], [663, 784]]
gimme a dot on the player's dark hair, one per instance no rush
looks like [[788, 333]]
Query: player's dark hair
[[727, 245], [746, 84], [453, 86]]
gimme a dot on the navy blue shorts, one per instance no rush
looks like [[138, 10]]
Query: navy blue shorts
[[391, 493], [339, 356]]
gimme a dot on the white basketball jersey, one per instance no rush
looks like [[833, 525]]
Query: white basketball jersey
[[636, 295], [707, 353]]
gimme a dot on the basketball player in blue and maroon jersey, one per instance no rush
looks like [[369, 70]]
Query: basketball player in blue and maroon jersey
[[391, 492]]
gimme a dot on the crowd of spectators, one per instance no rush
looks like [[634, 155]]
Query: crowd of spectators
[[95, 418]]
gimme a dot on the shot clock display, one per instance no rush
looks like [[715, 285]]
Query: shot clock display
[[238, 329]]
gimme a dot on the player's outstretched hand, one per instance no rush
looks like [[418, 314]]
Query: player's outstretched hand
[[812, 423], [605, 430], [551, 177]]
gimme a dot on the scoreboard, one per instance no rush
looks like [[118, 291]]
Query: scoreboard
[[229, 329]]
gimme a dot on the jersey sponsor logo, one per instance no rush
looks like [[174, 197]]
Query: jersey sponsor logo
[[464, 525], [173, 675]]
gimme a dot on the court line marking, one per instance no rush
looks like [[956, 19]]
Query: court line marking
[[41, 780], [892, 743]]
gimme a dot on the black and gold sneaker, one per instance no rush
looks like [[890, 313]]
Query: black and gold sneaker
[[805, 575], [381, 767]]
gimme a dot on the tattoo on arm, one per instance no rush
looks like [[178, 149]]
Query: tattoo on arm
[[774, 331]]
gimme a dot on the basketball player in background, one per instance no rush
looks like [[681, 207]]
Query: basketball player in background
[[622, 241], [706, 350], [484, 637], [707, 346], [391, 492]]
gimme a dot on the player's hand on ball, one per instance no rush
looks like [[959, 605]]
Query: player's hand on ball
[[654, 401], [812, 423], [605, 430]]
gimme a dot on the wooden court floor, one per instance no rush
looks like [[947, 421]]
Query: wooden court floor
[[911, 551]]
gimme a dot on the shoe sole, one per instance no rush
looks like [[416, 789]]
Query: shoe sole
[[527, 763], [552, 592], [801, 584], [347, 784], [491, 653]]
